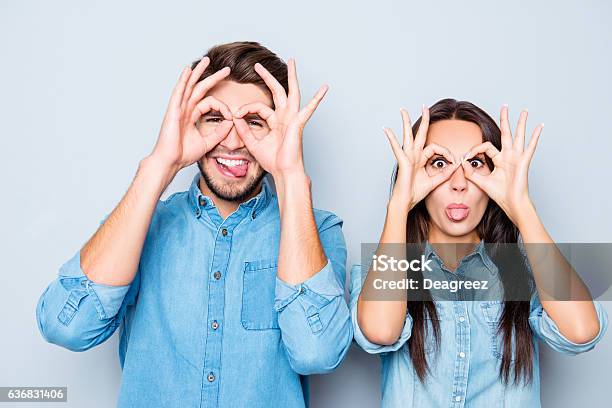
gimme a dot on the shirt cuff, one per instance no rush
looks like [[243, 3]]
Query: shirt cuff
[[550, 332], [106, 298], [320, 289], [360, 338]]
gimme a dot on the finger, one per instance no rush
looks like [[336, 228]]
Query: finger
[[174, 104], [441, 177], [206, 105], [294, 86], [519, 139], [397, 149], [220, 133], [486, 148], [421, 136], [260, 108], [408, 137], [534, 141], [471, 174], [193, 79], [506, 133], [278, 92], [434, 148], [244, 132], [204, 86], [307, 111]]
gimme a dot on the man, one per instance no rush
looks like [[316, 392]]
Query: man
[[227, 292]]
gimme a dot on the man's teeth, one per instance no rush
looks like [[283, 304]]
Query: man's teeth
[[230, 163]]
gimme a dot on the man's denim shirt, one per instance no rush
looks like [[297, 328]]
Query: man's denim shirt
[[464, 371], [206, 321]]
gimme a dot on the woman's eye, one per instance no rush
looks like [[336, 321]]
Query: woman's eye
[[255, 123], [438, 163], [479, 163], [213, 120]]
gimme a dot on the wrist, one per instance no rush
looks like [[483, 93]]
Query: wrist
[[525, 215], [292, 189], [157, 172], [399, 206], [291, 177]]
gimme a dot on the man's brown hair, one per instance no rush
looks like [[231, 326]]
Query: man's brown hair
[[241, 57]]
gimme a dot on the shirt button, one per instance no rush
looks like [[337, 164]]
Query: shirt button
[[202, 202], [210, 377], [461, 319], [254, 214], [462, 354], [215, 325], [457, 398], [224, 232], [302, 290], [217, 275]]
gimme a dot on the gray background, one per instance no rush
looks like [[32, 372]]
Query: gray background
[[85, 85]]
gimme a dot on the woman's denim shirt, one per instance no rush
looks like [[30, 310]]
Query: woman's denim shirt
[[464, 371]]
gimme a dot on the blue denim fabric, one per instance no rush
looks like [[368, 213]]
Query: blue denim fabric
[[206, 321], [465, 370]]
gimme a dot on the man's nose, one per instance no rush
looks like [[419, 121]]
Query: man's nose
[[233, 140]]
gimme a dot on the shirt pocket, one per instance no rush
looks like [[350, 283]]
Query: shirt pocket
[[492, 311], [430, 340], [258, 290]]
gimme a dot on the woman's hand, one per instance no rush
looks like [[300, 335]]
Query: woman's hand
[[181, 142], [279, 151], [413, 182], [507, 183]]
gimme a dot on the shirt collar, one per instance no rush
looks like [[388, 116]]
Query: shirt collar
[[256, 204], [479, 250]]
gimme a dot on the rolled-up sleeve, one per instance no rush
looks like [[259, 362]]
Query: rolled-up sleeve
[[76, 313], [355, 289], [545, 328], [313, 316]]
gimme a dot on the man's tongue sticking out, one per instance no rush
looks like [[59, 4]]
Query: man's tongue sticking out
[[237, 170]]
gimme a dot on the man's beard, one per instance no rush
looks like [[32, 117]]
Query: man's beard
[[229, 192]]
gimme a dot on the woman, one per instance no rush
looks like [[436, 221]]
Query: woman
[[462, 182]]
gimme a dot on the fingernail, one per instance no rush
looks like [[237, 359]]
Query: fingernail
[[542, 125]]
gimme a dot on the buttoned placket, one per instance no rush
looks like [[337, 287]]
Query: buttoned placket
[[462, 331], [207, 213]]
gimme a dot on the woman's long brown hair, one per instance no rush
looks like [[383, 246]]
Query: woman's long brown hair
[[495, 227]]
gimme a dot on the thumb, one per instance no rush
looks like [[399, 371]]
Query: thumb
[[244, 132], [471, 174], [441, 177]]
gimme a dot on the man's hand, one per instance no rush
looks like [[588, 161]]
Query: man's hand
[[180, 142], [280, 151]]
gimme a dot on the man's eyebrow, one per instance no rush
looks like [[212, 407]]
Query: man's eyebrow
[[252, 116], [212, 113]]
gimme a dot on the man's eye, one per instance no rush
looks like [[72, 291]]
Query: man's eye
[[439, 163], [213, 120], [479, 163], [255, 123]]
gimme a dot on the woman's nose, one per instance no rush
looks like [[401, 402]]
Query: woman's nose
[[458, 180]]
